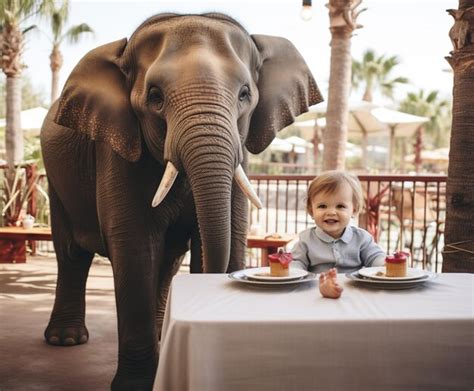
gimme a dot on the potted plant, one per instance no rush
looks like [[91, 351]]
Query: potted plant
[[17, 188]]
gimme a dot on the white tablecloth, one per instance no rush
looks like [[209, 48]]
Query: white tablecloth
[[224, 335]]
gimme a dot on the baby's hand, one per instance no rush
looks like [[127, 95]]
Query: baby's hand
[[328, 285]]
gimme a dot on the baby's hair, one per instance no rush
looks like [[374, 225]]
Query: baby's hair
[[329, 182]]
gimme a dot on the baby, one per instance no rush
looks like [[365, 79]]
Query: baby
[[333, 245]]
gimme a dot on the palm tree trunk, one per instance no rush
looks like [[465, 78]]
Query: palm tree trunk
[[459, 232], [56, 62], [368, 94], [342, 17], [12, 44], [335, 135], [13, 130]]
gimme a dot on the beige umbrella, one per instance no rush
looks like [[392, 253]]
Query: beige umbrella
[[31, 119], [298, 142], [282, 145], [360, 121], [400, 125], [367, 118], [440, 155]]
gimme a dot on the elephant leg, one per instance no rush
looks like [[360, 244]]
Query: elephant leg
[[164, 283], [135, 287], [67, 322], [135, 249]]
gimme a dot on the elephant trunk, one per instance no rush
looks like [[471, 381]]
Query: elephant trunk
[[210, 171]]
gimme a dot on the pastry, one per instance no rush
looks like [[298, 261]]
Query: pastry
[[396, 264], [279, 264]]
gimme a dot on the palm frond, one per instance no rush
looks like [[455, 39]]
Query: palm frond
[[432, 96], [42, 192], [10, 202], [368, 56], [437, 110], [29, 28], [412, 97], [374, 71], [29, 8], [57, 23], [75, 33]]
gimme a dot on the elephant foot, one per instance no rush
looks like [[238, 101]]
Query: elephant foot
[[136, 375], [66, 335], [123, 382]]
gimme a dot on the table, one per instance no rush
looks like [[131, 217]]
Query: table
[[268, 244], [12, 242], [224, 335]]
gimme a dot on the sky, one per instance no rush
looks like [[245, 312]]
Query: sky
[[414, 30]]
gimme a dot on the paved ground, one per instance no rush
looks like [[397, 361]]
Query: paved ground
[[26, 361]]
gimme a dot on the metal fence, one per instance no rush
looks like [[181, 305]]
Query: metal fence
[[400, 211]]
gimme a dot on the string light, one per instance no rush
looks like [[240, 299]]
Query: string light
[[306, 11]]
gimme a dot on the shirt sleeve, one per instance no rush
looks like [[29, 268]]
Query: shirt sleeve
[[371, 253], [299, 253]]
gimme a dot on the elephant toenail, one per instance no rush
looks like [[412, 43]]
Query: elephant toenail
[[83, 339], [54, 340], [69, 341]]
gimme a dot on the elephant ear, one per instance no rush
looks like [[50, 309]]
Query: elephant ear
[[95, 101], [286, 89]]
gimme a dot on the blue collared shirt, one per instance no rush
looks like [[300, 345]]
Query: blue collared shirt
[[317, 251]]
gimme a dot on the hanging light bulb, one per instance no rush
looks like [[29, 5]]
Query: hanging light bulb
[[306, 11]]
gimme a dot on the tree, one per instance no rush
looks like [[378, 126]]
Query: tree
[[13, 14], [431, 106], [30, 98], [343, 21], [58, 17], [373, 73], [459, 231]]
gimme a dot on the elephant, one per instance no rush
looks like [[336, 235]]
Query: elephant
[[146, 151]]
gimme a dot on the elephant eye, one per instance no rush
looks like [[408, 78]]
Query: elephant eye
[[155, 98], [244, 93]]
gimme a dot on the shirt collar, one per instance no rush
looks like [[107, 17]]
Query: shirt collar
[[346, 236]]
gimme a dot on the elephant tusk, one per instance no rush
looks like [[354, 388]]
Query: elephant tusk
[[246, 187], [165, 185]]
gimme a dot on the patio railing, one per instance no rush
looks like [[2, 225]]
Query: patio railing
[[400, 211]]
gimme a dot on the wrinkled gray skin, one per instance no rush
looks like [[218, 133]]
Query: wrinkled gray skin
[[197, 91]]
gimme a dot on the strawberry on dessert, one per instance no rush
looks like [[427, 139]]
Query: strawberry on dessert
[[279, 264], [396, 264]]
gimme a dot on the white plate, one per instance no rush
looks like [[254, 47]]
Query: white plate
[[371, 272], [263, 274], [390, 284], [241, 277]]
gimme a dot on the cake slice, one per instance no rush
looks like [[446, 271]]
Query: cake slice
[[279, 264], [396, 264]]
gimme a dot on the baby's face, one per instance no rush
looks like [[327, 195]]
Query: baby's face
[[332, 212]]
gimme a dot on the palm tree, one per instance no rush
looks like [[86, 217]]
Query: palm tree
[[431, 106], [30, 96], [343, 22], [459, 231], [13, 15], [373, 73], [59, 16]]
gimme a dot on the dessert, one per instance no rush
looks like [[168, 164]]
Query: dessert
[[279, 264], [396, 264]]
